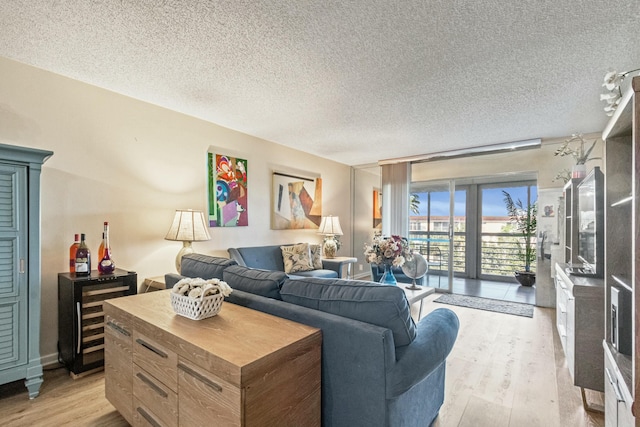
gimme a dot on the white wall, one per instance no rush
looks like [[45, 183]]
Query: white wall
[[121, 160]]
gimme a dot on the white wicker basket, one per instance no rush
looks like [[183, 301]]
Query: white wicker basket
[[196, 308]]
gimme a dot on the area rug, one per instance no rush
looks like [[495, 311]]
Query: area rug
[[506, 307]]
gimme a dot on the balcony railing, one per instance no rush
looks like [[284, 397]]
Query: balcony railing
[[499, 255]]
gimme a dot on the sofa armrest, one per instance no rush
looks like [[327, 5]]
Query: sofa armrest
[[171, 279], [335, 265], [436, 334], [234, 254]]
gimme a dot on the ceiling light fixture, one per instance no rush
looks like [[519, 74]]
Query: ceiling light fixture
[[467, 152]]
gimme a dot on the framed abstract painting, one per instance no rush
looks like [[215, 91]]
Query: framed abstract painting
[[297, 202], [227, 188], [377, 209]]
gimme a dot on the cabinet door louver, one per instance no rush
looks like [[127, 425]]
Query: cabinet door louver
[[13, 292], [7, 199]]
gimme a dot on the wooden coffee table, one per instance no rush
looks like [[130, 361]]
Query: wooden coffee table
[[239, 367]]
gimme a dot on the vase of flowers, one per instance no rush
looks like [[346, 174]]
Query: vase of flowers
[[388, 252]]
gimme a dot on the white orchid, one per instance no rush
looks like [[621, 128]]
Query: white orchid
[[613, 79], [580, 153], [612, 82]]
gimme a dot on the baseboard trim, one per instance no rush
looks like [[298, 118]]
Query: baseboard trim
[[49, 360]]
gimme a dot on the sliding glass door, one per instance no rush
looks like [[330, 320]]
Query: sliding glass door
[[437, 223], [500, 251]]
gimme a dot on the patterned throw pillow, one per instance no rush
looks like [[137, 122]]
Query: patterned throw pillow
[[296, 258], [316, 256]]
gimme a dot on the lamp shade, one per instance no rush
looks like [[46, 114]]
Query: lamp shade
[[188, 226], [330, 226]]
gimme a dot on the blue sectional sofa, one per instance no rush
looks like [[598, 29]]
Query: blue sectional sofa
[[378, 367], [270, 258]]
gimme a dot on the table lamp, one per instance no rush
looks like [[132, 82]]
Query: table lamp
[[330, 227], [188, 226]]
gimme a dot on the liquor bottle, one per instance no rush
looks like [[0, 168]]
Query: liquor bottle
[[72, 253], [101, 248], [106, 264], [83, 259]]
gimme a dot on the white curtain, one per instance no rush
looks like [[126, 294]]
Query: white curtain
[[396, 179]]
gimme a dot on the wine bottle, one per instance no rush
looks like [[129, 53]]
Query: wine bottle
[[72, 253], [83, 259], [106, 265]]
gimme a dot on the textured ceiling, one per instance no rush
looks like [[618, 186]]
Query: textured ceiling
[[353, 81]]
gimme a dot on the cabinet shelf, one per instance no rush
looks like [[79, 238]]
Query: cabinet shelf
[[621, 123], [625, 366], [625, 282], [623, 202]]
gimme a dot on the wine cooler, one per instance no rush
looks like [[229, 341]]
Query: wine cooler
[[81, 317]]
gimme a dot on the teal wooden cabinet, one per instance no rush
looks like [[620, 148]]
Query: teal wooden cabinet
[[20, 170]]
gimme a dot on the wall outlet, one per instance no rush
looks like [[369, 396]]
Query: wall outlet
[[359, 267]]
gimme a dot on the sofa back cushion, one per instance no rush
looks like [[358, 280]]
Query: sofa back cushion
[[204, 266], [260, 282], [264, 257], [381, 305]]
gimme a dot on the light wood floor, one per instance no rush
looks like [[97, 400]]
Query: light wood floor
[[504, 371], [509, 370]]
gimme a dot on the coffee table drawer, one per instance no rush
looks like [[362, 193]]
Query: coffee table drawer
[[156, 396], [205, 399], [156, 359]]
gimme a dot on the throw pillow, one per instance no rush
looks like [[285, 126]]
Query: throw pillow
[[296, 258], [316, 256]]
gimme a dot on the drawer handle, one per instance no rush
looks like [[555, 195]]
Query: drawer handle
[[200, 377], [152, 385], [614, 384], [148, 417], [119, 329], [152, 348]]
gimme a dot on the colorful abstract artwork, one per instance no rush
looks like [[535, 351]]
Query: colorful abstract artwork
[[297, 202], [227, 191], [377, 209]]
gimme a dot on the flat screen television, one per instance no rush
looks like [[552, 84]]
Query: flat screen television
[[591, 223]]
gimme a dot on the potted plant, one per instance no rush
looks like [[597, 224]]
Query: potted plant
[[524, 219], [580, 154]]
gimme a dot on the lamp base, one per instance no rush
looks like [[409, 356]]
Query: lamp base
[[330, 248], [186, 249]]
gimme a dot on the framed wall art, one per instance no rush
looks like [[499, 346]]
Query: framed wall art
[[377, 209], [227, 188], [297, 202]]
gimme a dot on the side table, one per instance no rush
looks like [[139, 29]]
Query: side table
[[154, 283], [340, 262], [416, 295]]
